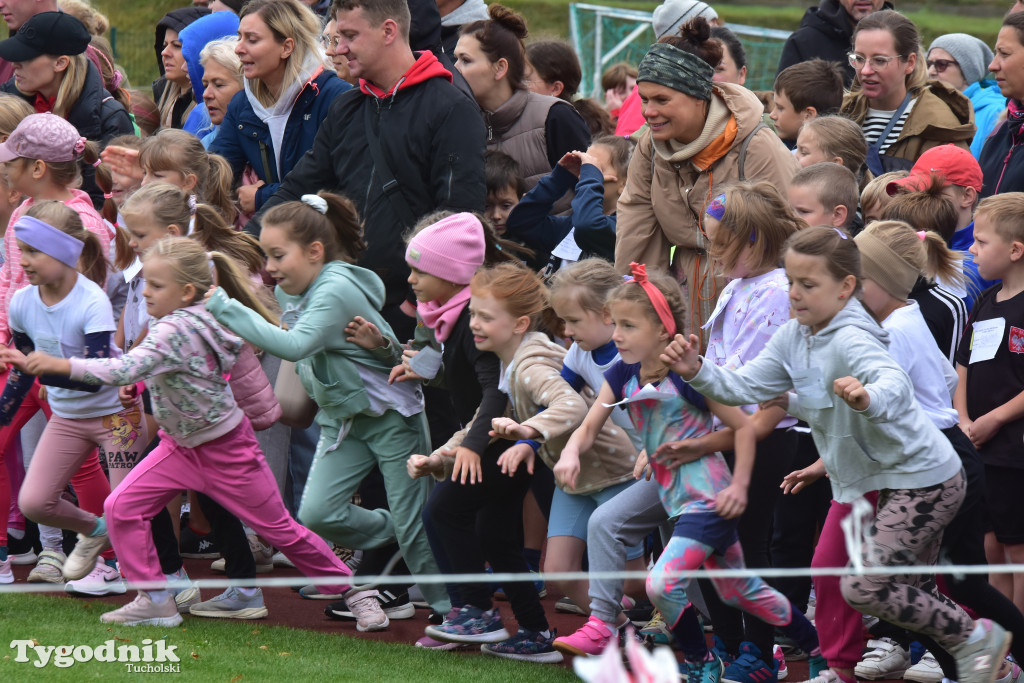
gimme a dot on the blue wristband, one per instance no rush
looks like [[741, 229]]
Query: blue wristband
[[535, 445]]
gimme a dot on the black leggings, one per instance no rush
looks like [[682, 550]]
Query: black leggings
[[483, 522], [775, 454]]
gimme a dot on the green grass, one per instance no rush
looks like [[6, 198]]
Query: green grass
[[237, 652]]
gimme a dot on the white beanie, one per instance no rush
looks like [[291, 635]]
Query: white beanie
[[672, 15], [972, 54]]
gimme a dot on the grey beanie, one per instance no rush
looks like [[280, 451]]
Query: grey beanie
[[972, 54], [670, 16]]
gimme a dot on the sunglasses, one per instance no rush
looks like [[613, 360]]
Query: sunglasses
[[941, 64]]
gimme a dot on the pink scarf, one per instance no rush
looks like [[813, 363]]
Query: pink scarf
[[441, 318]]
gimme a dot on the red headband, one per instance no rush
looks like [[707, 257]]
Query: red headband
[[657, 298]]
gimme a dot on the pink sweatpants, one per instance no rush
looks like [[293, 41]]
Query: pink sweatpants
[[840, 627], [65, 446], [232, 471]]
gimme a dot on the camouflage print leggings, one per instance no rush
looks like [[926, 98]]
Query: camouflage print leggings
[[907, 530]]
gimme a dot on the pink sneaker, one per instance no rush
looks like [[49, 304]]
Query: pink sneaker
[[432, 644], [589, 641], [780, 661]]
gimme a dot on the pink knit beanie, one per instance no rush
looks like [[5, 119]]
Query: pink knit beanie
[[451, 249]]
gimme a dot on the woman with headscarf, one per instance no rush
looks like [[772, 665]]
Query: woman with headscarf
[[173, 90], [702, 135]]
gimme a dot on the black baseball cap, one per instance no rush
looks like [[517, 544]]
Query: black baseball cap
[[46, 33]]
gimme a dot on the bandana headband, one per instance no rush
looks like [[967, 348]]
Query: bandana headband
[[680, 70], [49, 240], [658, 300]]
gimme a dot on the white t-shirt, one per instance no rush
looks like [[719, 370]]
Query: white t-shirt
[[912, 345], [583, 364], [60, 330]]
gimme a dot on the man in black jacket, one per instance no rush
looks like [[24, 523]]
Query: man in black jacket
[[431, 141], [826, 31]]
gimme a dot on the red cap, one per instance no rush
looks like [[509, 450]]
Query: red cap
[[955, 165]]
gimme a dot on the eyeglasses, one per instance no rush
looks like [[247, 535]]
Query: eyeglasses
[[941, 64], [878, 62], [330, 43]]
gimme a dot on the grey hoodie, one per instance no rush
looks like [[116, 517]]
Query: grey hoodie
[[891, 445]]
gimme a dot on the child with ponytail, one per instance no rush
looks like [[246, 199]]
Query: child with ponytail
[[207, 443], [477, 516], [66, 313], [311, 247], [893, 258], [708, 499], [872, 436]]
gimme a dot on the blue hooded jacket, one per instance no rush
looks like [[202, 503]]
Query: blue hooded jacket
[[989, 104], [194, 38]]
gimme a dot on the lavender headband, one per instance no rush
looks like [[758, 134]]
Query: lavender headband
[[49, 240]]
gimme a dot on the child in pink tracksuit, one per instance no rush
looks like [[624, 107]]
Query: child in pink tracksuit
[[207, 443]]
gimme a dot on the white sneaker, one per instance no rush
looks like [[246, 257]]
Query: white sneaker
[[142, 611], [280, 560], [6, 575], [102, 580], [826, 676], [49, 568], [184, 598], [887, 659], [927, 670], [29, 557], [366, 609], [261, 553], [83, 558]]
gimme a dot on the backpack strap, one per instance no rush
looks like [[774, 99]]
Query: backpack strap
[[743, 149]]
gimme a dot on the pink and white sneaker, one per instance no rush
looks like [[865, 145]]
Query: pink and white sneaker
[[102, 580], [780, 661], [589, 641]]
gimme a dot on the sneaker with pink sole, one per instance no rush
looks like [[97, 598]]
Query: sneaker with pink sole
[[590, 640]]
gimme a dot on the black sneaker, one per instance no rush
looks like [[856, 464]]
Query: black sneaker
[[395, 606], [196, 545], [640, 613]]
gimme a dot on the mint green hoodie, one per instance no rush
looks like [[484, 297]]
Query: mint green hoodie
[[891, 445], [327, 365]]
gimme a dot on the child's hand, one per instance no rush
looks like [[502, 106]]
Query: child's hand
[[675, 453], [780, 401], [567, 469], [363, 333], [127, 395], [983, 429], [423, 465], [613, 97], [853, 392], [731, 501], [682, 357], [571, 162], [642, 470], [516, 455], [467, 466], [209, 294], [404, 372], [123, 160], [14, 358], [39, 363], [797, 481], [507, 428]]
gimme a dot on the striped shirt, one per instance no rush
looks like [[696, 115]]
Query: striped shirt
[[876, 121]]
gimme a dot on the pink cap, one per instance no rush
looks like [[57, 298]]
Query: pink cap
[[451, 249], [43, 136], [955, 165]]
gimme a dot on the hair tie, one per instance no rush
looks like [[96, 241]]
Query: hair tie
[[658, 300], [96, 164], [716, 209], [191, 205], [922, 235], [315, 202], [108, 195], [840, 233], [79, 146]]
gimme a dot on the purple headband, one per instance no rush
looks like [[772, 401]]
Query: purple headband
[[49, 240]]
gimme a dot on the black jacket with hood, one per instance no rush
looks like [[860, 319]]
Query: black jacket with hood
[[432, 138], [825, 32], [174, 20]]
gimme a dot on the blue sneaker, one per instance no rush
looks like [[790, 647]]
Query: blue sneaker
[[526, 646], [718, 647], [470, 625], [708, 671], [749, 667]]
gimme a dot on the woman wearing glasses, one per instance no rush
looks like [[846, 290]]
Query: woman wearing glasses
[[901, 112], [289, 87], [961, 61]]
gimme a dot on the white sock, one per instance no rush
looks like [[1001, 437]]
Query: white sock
[[16, 533], [51, 538], [248, 592], [159, 596]]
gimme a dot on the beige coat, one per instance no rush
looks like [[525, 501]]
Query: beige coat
[[542, 399], [658, 211]]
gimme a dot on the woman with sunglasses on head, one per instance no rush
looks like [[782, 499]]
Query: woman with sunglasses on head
[[901, 112], [961, 61]]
